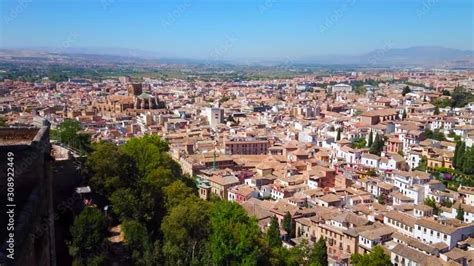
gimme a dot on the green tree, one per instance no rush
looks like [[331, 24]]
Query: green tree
[[149, 153], [338, 137], [68, 132], [136, 240], [224, 99], [446, 93], [453, 135], [88, 232], [460, 213], [446, 203], [371, 139], [460, 156], [376, 257], [442, 102], [360, 90], [287, 224], [235, 238], [429, 201], [371, 172], [358, 112], [406, 90], [109, 168], [155, 170], [377, 145], [468, 161], [298, 255], [456, 154], [460, 97], [436, 111], [423, 164], [152, 254], [125, 202], [3, 121], [185, 232], [358, 143], [273, 234], [381, 199], [436, 134], [176, 193], [319, 254]]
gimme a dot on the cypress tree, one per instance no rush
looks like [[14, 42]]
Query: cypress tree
[[468, 161], [456, 154], [288, 224], [319, 254], [377, 145], [462, 152], [273, 233], [371, 136], [460, 213]]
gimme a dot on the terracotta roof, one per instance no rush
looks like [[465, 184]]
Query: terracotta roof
[[409, 253], [377, 233], [330, 198], [257, 208], [443, 228], [415, 243], [401, 217]]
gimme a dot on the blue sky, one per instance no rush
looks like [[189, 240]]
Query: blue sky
[[237, 28]]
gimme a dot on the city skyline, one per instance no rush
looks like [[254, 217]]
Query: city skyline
[[237, 132]]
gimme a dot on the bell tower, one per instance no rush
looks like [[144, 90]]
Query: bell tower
[[134, 89]]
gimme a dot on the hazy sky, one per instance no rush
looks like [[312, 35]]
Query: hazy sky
[[237, 28]]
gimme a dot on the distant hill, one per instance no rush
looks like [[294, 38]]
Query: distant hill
[[425, 56], [412, 56], [422, 55]]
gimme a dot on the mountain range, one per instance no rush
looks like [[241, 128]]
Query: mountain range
[[426, 56], [412, 56]]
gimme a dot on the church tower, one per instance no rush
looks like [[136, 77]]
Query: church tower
[[134, 89]]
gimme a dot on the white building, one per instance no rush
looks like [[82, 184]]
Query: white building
[[449, 233], [144, 120], [468, 212], [215, 116], [467, 194], [370, 160], [341, 88], [402, 222]]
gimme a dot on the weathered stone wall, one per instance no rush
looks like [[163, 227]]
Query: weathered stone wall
[[33, 195]]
